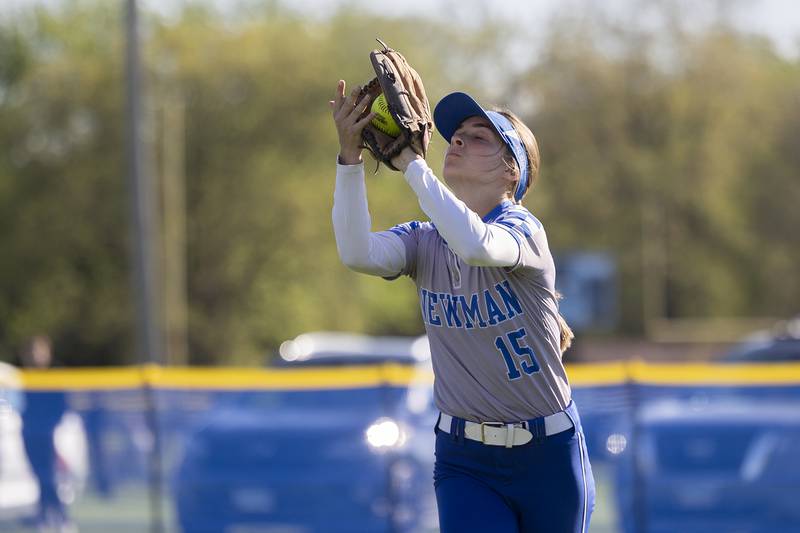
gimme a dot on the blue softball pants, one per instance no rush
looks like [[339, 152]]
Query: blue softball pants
[[544, 486]]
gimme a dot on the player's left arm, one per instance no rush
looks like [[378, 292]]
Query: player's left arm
[[474, 241]]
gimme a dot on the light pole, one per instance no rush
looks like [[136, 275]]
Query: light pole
[[144, 216], [144, 239]]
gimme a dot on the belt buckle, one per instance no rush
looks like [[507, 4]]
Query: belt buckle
[[491, 425]]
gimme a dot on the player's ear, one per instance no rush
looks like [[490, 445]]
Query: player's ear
[[510, 173]]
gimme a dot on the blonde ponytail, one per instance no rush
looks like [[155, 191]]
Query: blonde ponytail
[[566, 333]]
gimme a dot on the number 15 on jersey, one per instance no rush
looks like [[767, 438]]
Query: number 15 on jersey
[[523, 355]]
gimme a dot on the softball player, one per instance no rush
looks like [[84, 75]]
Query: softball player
[[510, 451]]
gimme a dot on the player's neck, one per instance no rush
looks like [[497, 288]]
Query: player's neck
[[480, 198]]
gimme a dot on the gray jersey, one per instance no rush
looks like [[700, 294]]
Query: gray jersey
[[493, 331]]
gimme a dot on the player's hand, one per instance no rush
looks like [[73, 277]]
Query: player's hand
[[346, 111]]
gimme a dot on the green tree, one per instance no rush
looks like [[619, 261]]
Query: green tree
[[674, 150], [670, 157]]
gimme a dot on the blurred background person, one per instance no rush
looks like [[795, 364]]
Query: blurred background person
[[42, 413]]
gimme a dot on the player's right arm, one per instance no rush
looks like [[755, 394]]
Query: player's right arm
[[379, 254]]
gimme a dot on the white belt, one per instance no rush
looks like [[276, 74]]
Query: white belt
[[508, 435]]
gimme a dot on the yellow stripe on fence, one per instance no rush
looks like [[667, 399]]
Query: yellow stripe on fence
[[715, 374], [222, 378], [598, 374], [229, 378], [83, 378], [293, 379]]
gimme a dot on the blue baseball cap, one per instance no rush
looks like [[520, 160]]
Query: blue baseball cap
[[456, 107]]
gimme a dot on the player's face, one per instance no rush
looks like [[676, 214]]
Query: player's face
[[475, 153]]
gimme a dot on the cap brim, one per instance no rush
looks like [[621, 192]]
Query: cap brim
[[454, 109]]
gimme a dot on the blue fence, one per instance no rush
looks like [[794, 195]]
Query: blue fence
[[674, 448]]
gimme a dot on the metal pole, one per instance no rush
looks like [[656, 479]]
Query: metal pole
[[142, 204], [144, 244]]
